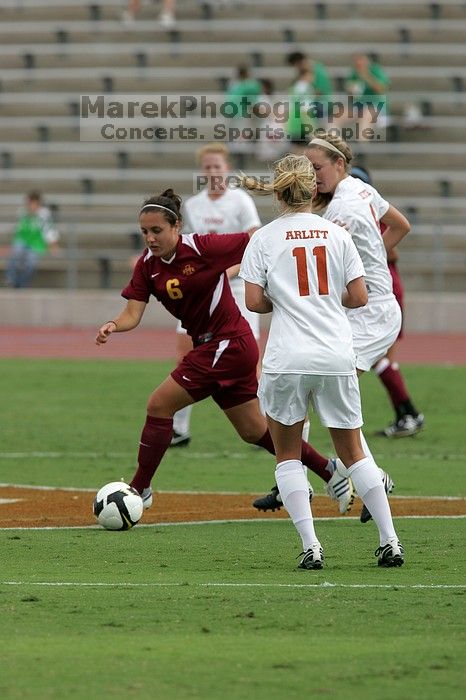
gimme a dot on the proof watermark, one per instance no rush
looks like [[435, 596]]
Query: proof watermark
[[234, 119], [230, 180]]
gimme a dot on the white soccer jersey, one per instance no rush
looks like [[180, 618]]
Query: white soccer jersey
[[233, 212], [359, 207], [304, 263]]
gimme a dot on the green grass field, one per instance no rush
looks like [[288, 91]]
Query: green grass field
[[220, 611]]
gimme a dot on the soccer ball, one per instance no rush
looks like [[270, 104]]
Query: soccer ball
[[118, 506]]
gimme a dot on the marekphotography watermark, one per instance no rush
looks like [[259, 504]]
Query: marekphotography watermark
[[242, 118]]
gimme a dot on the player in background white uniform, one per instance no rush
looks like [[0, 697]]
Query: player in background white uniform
[[359, 208], [304, 270], [216, 209]]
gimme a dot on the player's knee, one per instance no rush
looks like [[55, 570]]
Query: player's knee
[[157, 408], [250, 435]]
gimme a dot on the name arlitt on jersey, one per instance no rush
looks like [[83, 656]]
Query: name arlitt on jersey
[[306, 234]]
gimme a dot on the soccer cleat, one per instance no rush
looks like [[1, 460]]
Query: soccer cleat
[[420, 420], [273, 501], [340, 488], [313, 558], [404, 427], [147, 499], [180, 439], [391, 554], [388, 485]]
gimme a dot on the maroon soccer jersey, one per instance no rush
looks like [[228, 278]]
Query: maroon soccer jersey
[[193, 286]]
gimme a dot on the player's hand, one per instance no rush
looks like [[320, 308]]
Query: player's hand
[[105, 332]]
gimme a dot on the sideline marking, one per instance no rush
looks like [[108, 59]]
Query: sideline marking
[[209, 493], [212, 584], [206, 455], [336, 518]]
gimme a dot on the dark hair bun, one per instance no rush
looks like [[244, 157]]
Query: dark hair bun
[[171, 194], [170, 203]]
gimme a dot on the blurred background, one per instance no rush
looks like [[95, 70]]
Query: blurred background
[[51, 52]]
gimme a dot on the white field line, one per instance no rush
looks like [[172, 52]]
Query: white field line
[[336, 518], [213, 584], [204, 493], [187, 454]]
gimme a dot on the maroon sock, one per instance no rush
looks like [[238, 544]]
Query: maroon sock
[[393, 382], [266, 442], [310, 458], [314, 461], [155, 440]]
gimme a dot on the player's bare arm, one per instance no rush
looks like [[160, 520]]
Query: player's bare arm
[[393, 256], [233, 271], [256, 300], [398, 227], [355, 294], [128, 319]]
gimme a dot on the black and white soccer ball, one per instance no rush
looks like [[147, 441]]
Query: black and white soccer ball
[[117, 506]]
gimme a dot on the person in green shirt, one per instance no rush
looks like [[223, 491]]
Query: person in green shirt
[[34, 234], [311, 83], [320, 80], [243, 92], [367, 82]]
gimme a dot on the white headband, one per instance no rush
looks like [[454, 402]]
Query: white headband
[[326, 144], [157, 206]]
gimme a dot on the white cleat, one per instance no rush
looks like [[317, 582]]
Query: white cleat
[[147, 498], [390, 554], [313, 558], [340, 488]]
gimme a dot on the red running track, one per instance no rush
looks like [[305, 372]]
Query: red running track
[[150, 344]]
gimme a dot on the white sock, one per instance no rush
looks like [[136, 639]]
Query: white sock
[[306, 429], [367, 481], [377, 504], [182, 420], [365, 446], [293, 486]]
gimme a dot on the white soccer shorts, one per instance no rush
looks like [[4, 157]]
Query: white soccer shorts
[[375, 328], [335, 398]]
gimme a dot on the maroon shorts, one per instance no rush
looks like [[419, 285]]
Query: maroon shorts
[[222, 369]]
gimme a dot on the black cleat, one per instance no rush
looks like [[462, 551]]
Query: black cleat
[[313, 558], [180, 439], [406, 426], [391, 554], [273, 501]]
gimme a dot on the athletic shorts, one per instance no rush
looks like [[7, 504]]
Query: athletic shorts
[[222, 369], [375, 328], [335, 398], [237, 289]]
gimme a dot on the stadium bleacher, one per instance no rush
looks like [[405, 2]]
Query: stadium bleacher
[[51, 52]]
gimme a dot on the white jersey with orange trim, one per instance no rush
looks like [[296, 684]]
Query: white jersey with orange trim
[[304, 263], [358, 208], [233, 212]]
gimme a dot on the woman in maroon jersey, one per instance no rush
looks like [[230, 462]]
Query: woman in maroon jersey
[[187, 275]]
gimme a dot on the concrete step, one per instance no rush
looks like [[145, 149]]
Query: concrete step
[[269, 51]]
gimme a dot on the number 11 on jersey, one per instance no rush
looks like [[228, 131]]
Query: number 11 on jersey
[[320, 253]]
